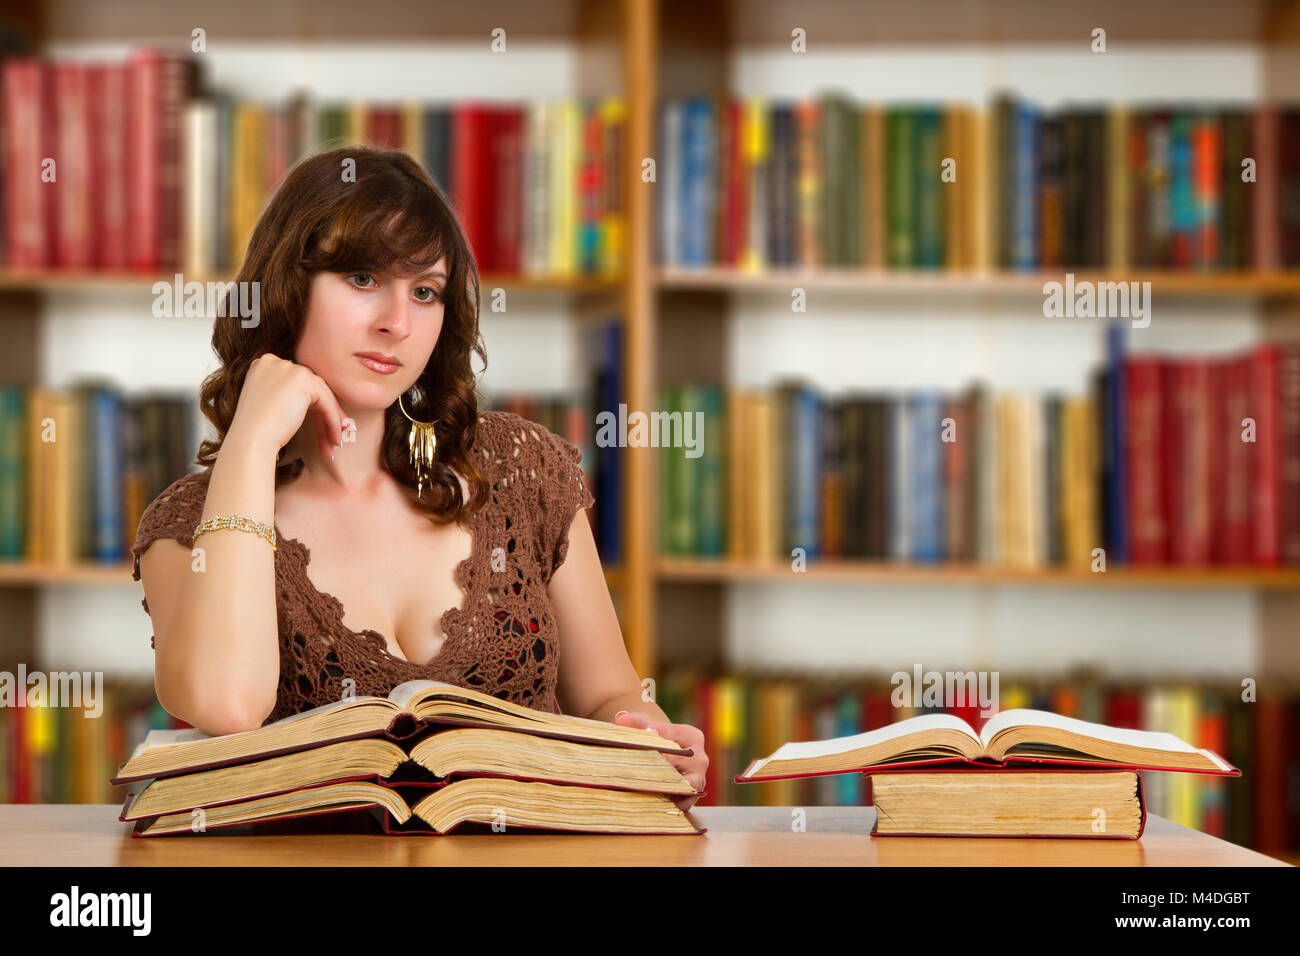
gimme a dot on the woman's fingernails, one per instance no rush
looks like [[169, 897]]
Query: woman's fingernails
[[619, 714]]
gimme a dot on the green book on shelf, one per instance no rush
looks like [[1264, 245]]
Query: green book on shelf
[[13, 466], [928, 208], [900, 189], [710, 519]]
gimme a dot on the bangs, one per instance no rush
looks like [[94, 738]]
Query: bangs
[[401, 232]]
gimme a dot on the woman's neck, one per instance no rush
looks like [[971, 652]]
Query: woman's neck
[[355, 466]]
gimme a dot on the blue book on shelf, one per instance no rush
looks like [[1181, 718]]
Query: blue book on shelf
[[610, 514], [13, 472], [1024, 197], [925, 417], [699, 178], [108, 473], [848, 718], [804, 493], [1116, 497]]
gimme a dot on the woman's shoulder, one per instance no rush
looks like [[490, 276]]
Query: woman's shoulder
[[508, 439]]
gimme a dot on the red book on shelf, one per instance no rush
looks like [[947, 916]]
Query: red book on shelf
[[159, 86], [1145, 451], [109, 107], [383, 127], [1232, 471], [472, 174], [1124, 709], [1270, 785], [1265, 455], [78, 180], [1207, 186], [1187, 477], [1266, 190], [508, 196], [30, 133], [1289, 450]]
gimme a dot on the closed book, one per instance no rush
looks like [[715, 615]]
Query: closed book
[[1088, 804]]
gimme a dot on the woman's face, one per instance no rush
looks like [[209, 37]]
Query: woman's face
[[370, 334]]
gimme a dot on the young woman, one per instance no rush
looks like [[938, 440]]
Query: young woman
[[360, 523]]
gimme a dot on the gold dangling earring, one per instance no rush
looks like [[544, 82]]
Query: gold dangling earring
[[423, 443]]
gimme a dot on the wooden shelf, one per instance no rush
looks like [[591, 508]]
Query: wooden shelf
[[878, 572], [717, 279], [46, 280]]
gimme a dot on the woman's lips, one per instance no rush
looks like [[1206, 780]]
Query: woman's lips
[[375, 365]]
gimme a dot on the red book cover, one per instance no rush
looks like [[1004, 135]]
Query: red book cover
[[110, 106], [19, 757], [74, 195], [1188, 475], [1232, 534], [29, 140], [1265, 455], [1289, 450], [1207, 185], [1149, 533], [1212, 734], [1270, 785], [472, 175], [1124, 709], [704, 712], [383, 127], [507, 220], [158, 87], [1266, 190]]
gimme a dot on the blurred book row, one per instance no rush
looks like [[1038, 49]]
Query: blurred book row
[[745, 716], [79, 465], [152, 170], [61, 755], [755, 182], [1170, 460]]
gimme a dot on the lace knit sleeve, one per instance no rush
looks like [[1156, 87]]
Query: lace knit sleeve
[[564, 492], [173, 514]]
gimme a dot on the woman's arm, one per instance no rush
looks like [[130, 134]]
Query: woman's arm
[[216, 647], [596, 674]]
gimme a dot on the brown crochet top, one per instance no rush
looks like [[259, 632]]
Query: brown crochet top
[[502, 641]]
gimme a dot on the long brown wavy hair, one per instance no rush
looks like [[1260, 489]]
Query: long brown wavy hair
[[392, 217]]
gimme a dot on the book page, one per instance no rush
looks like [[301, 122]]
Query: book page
[[838, 745], [188, 735], [1149, 739]]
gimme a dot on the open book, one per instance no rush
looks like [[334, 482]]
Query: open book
[[506, 803], [1013, 736], [458, 751], [409, 709]]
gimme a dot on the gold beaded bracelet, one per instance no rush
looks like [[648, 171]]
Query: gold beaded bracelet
[[236, 523]]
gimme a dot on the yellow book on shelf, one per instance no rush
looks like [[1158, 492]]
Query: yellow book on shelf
[[765, 462], [247, 187], [987, 193], [755, 150], [61, 510], [956, 205], [565, 140], [1184, 788], [354, 123], [413, 130], [613, 231], [1078, 480]]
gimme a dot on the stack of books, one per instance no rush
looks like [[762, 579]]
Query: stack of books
[[426, 759], [1027, 773]]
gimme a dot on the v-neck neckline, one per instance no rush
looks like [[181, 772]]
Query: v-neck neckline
[[460, 576]]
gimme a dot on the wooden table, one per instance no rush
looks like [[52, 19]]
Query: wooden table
[[91, 835]]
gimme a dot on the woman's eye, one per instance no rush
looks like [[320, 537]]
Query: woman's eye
[[427, 294], [361, 275]]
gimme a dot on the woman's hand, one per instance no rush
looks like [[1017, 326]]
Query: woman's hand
[[275, 398], [684, 735]]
